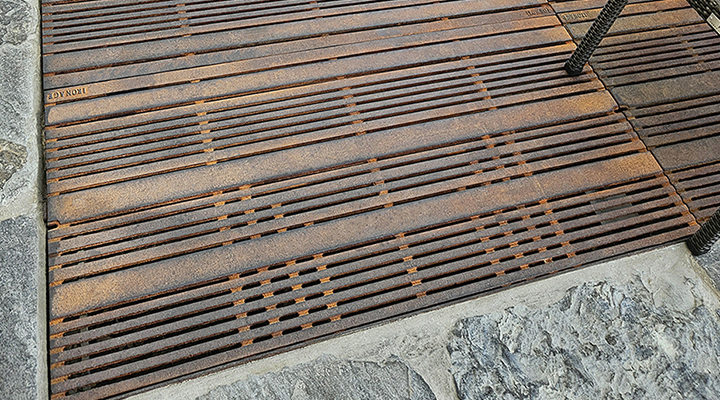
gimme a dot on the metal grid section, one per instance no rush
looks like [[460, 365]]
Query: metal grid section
[[661, 62], [231, 179]]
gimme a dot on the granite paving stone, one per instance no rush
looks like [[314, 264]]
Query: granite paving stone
[[20, 109], [329, 377], [19, 308], [12, 157], [601, 341]]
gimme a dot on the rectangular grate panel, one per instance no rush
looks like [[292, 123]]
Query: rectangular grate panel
[[230, 179], [661, 62]]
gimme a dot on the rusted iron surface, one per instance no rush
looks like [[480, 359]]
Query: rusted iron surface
[[227, 180], [661, 62]]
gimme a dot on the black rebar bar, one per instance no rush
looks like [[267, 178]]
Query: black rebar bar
[[709, 233], [594, 35]]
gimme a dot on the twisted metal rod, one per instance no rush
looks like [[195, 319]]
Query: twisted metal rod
[[594, 35], [709, 233]]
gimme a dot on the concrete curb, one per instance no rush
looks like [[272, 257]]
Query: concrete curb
[[23, 361]]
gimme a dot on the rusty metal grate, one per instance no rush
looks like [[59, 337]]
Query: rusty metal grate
[[662, 64], [230, 179]]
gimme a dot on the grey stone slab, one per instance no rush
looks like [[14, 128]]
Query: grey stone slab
[[21, 310], [20, 109], [329, 377], [601, 341]]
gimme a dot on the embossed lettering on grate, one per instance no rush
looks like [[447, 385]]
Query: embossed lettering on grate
[[661, 61], [230, 179]]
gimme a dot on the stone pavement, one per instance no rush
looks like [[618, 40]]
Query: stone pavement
[[23, 373], [641, 327]]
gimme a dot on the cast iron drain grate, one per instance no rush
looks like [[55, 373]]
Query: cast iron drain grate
[[661, 61], [231, 179]]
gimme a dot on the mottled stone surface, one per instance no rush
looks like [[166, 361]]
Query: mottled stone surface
[[19, 309], [599, 342], [711, 263], [331, 378], [12, 157], [20, 109], [15, 21]]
